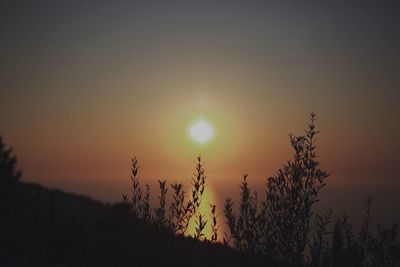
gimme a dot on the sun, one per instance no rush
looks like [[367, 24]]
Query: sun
[[201, 131]]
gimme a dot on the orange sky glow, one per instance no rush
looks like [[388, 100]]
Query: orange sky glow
[[83, 91]]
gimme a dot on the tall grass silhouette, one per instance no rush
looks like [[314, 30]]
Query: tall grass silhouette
[[183, 208]]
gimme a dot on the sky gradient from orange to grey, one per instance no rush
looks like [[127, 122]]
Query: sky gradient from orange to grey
[[86, 86]]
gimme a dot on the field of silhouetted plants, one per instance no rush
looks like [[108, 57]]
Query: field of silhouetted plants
[[43, 227]]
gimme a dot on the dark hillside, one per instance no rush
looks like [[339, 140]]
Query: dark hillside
[[52, 228]]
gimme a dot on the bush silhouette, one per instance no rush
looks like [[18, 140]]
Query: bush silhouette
[[280, 228], [8, 164], [182, 208]]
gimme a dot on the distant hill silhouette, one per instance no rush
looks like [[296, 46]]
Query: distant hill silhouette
[[54, 228]]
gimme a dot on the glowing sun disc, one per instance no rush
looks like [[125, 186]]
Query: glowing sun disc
[[201, 131]]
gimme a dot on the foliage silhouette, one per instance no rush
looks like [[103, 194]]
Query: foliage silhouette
[[319, 243], [8, 163], [182, 208], [160, 211], [214, 226], [281, 227], [42, 227]]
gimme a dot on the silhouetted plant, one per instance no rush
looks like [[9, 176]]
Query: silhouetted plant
[[276, 228], [177, 216], [231, 222], [366, 238], [160, 211], [200, 226], [198, 186], [281, 227], [14, 218], [337, 249], [245, 229], [319, 245], [386, 249], [146, 209], [353, 255], [136, 190], [182, 210], [367, 249], [214, 226], [8, 165], [291, 194]]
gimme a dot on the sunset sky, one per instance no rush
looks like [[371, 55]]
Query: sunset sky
[[87, 85]]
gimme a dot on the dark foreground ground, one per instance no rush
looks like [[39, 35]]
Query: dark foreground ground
[[42, 227]]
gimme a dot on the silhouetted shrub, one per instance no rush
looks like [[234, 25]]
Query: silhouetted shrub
[[8, 166], [368, 249], [319, 243], [160, 212], [290, 197], [182, 208], [214, 226], [386, 249], [147, 214], [366, 238], [136, 190], [337, 248], [247, 226], [281, 227], [200, 226]]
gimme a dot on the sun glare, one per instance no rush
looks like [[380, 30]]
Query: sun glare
[[201, 131]]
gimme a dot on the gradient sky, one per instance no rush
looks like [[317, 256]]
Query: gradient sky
[[86, 85]]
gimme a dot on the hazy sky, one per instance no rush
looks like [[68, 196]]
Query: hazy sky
[[86, 85]]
